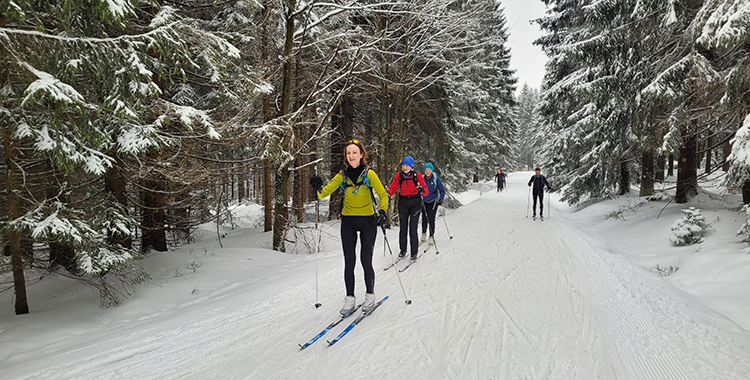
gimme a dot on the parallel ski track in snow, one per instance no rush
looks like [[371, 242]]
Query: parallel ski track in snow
[[517, 300]]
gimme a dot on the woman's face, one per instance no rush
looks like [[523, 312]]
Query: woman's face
[[353, 155], [405, 168], [428, 172]]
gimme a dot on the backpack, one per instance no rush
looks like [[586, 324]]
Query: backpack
[[364, 180], [401, 179]]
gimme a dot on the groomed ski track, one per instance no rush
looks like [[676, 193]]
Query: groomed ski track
[[517, 300], [507, 298]]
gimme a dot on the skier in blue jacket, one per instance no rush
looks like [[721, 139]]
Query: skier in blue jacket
[[431, 201], [537, 184]]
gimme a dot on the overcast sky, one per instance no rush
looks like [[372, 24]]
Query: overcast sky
[[527, 59]]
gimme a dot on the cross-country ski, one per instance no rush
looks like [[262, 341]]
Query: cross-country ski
[[328, 328]]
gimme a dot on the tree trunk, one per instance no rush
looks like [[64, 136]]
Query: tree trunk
[[281, 217], [687, 170], [154, 234], [746, 192], [13, 236], [267, 177], [709, 143], [267, 196], [661, 162], [624, 178], [242, 181], [342, 127], [299, 201], [727, 152], [647, 172], [670, 166]]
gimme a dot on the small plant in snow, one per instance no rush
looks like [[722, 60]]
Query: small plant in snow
[[193, 265], [689, 229], [195, 291], [665, 271]]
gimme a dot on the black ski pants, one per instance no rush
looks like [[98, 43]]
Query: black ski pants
[[368, 231], [500, 184], [428, 217], [538, 194], [409, 208]]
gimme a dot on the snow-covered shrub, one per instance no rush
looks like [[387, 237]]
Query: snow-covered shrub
[[688, 229], [665, 271], [744, 231]]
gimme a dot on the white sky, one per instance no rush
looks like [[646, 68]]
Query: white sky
[[527, 59]]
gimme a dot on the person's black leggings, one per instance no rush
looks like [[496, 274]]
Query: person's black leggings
[[368, 231], [538, 194], [409, 209], [428, 217]]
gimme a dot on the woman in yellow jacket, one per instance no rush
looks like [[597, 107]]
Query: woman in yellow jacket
[[358, 214]]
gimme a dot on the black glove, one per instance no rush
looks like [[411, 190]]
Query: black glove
[[381, 218], [316, 183], [440, 202]]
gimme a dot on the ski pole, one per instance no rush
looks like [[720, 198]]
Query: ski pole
[[407, 300], [528, 202], [317, 248], [446, 225]]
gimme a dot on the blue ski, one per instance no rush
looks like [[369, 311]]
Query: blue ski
[[356, 321], [325, 331]]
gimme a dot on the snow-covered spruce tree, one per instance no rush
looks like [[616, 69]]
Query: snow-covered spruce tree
[[481, 88], [724, 32], [85, 90], [528, 125], [688, 229], [623, 85]]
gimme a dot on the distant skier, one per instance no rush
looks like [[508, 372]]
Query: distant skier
[[434, 198], [500, 178], [358, 215], [412, 188], [537, 184]]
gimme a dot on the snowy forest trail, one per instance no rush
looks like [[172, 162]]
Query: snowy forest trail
[[506, 298]]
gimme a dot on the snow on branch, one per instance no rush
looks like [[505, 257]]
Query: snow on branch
[[723, 22], [51, 86]]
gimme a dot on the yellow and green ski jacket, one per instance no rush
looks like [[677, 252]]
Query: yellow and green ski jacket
[[357, 198]]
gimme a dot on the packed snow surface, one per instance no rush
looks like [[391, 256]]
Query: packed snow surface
[[506, 298]]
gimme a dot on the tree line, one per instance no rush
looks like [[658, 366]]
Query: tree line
[[127, 124], [633, 87]]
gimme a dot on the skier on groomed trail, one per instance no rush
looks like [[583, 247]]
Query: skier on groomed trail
[[434, 198], [358, 215], [500, 178], [537, 184], [412, 188]]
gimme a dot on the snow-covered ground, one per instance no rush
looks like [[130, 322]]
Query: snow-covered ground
[[573, 297]]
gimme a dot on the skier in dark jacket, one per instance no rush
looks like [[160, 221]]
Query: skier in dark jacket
[[431, 201], [411, 187], [500, 178], [537, 184]]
